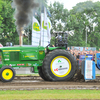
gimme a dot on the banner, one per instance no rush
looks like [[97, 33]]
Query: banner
[[35, 32], [83, 48], [45, 29], [88, 69]]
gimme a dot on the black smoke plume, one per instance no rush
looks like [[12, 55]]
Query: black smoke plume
[[24, 12]]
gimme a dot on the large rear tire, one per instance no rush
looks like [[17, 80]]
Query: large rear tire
[[41, 74], [7, 74], [59, 65]]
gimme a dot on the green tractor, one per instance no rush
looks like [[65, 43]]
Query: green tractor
[[52, 63]]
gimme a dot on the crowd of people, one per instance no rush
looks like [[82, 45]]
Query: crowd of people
[[78, 52]]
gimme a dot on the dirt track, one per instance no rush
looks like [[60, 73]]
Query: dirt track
[[27, 83]]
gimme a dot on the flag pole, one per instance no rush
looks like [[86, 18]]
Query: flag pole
[[41, 25]]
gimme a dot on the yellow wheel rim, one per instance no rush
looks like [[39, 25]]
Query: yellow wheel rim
[[60, 66], [7, 74]]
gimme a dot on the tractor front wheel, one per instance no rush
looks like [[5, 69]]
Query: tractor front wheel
[[7, 74]]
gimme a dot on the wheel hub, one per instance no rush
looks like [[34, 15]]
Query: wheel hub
[[60, 66], [7, 74]]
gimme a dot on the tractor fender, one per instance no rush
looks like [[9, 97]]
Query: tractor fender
[[48, 49]]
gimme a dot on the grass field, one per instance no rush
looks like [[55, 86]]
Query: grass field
[[49, 94]]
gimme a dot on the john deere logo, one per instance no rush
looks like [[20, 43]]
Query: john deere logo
[[59, 61], [45, 27], [36, 26]]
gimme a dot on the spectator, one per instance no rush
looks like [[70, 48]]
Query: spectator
[[73, 48], [79, 48], [77, 58], [68, 48], [87, 49], [99, 50], [71, 51], [85, 53], [83, 48]]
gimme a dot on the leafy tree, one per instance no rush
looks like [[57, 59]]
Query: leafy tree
[[82, 19], [1, 30], [58, 16], [8, 32]]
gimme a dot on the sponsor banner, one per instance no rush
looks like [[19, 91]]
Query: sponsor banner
[[89, 57], [35, 32], [88, 69], [83, 48], [44, 35], [45, 29]]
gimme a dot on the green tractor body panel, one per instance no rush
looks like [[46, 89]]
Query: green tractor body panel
[[22, 56]]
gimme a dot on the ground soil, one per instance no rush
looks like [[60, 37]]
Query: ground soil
[[34, 83]]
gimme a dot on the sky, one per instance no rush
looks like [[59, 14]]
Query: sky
[[68, 4]]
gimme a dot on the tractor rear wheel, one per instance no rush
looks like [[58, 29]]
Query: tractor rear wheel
[[7, 74], [41, 74], [59, 65]]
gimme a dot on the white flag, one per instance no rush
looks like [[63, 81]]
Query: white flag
[[35, 32], [45, 29]]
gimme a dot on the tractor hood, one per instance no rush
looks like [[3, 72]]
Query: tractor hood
[[18, 48]]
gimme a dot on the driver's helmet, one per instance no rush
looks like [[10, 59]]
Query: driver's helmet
[[59, 37]]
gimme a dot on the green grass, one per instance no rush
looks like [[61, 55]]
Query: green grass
[[49, 94], [97, 74]]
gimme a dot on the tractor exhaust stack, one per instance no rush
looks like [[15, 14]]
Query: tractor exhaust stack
[[21, 37]]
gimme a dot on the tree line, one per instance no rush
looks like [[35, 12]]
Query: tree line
[[83, 19]]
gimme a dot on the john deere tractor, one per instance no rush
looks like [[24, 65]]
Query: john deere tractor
[[52, 63]]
